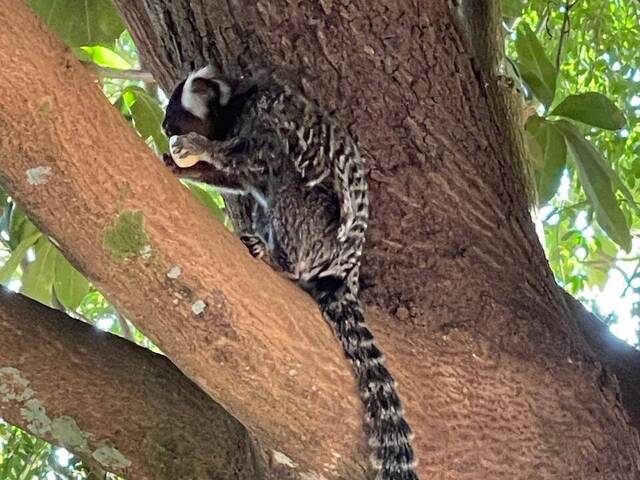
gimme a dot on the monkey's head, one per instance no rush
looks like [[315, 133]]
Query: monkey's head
[[198, 104]]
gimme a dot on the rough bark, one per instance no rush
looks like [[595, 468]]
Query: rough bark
[[452, 252], [497, 378], [619, 359], [482, 23], [102, 395]]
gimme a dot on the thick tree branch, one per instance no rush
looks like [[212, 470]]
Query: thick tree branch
[[621, 359], [260, 346], [121, 399]]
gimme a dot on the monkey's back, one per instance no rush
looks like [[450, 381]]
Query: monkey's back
[[316, 210]]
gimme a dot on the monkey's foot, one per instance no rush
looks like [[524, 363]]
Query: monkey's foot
[[255, 244], [187, 150]]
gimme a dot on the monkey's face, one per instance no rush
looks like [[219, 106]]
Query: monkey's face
[[179, 121], [195, 105]]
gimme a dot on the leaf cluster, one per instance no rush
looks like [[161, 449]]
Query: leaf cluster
[[576, 63]]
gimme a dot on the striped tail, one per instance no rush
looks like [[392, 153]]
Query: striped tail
[[389, 434]]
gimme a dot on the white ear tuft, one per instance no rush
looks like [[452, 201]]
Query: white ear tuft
[[197, 102], [191, 101], [225, 92], [205, 72]]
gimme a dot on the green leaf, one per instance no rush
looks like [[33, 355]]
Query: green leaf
[[571, 234], [106, 57], [622, 188], [206, 197], [512, 8], [596, 183], [17, 255], [37, 281], [81, 55], [78, 23], [553, 155], [591, 108], [147, 116], [534, 150], [69, 285], [535, 67], [20, 227]]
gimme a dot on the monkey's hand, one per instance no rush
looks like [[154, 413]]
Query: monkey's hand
[[200, 172], [187, 150], [195, 157], [170, 164], [233, 158]]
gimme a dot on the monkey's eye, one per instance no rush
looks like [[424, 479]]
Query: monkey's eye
[[168, 131]]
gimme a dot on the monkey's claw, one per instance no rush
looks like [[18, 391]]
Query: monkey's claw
[[255, 244]]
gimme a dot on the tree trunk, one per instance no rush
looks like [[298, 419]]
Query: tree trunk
[[452, 253], [496, 374]]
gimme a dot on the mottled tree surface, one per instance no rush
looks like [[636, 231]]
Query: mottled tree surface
[[499, 378], [145, 412]]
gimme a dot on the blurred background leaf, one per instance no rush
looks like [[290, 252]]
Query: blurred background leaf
[[81, 23], [587, 214]]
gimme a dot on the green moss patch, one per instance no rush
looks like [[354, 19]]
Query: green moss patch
[[126, 238]]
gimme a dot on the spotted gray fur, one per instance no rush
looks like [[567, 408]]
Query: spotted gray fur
[[307, 182]]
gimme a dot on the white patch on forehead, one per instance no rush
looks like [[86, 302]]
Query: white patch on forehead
[[197, 103], [204, 72], [192, 102]]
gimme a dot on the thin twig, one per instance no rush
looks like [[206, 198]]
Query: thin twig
[[630, 279], [106, 72], [564, 32], [563, 208]]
